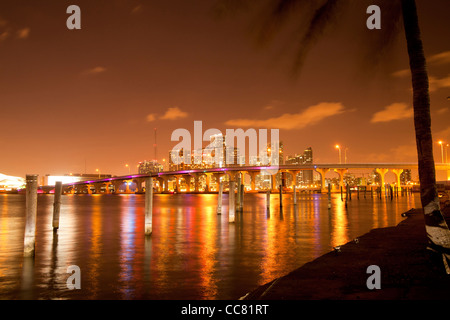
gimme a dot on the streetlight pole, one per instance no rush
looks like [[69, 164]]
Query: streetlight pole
[[98, 173], [345, 155], [339, 148], [129, 170], [442, 150], [446, 151]]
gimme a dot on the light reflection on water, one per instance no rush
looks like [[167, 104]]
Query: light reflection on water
[[193, 253]]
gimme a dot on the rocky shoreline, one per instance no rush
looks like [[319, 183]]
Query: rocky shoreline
[[408, 271]]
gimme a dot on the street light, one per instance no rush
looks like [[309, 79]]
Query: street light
[[339, 148], [129, 169], [345, 155], [442, 149], [446, 150], [98, 173]]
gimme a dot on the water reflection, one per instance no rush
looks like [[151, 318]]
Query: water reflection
[[193, 253]]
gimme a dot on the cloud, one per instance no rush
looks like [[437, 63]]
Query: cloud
[[173, 114], [436, 84], [23, 33], [395, 111], [440, 58], [436, 59], [401, 73], [442, 110], [4, 35], [288, 121], [137, 9], [151, 117], [94, 71]]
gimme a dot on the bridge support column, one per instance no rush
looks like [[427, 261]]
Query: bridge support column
[[274, 182], [294, 174], [89, 191], [207, 182], [253, 175], [341, 173], [382, 172], [127, 186], [217, 176], [187, 181], [397, 173], [323, 172], [196, 182]]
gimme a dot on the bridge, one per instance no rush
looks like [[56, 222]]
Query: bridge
[[161, 180]]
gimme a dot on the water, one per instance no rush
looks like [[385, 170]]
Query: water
[[193, 253]]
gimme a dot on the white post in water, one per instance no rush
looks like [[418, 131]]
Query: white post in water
[[31, 212], [57, 205], [231, 202], [241, 204], [295, 195], [329, 196], [238, 195], [148, 206], [219, 198]]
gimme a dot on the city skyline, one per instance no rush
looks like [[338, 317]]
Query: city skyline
[[81, 100]]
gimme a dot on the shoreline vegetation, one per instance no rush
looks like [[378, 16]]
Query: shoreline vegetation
[[408, 271]]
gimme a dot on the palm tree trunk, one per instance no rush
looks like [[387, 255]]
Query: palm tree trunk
[[435, 225]]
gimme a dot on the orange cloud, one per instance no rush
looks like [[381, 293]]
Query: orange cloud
[[395, 111], [288, 121], [173, 114]]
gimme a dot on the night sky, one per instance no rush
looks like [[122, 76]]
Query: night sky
[[94, 96]]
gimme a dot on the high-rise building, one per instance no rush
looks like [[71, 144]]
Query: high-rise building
[[304, 176], [146, 167], [405, 176]]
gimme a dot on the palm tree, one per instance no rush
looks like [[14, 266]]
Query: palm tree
[[318, 16]]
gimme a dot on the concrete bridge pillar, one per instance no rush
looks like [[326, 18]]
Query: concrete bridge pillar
[[323, 172], [207, 182], [253, 175], [294, 174], [187, 180], [274, 182], [117, 185], [177, 182], [196, 181], [107, 189], [397, 173], [382, 172], [139, 186], [217, 176], [341, 173], [166, 183], [89, 191]]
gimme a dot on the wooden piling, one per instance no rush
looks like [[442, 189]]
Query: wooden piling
[[268, 200], [231, 202], [57, 205], [295, 195], [281, 196], [329, 196], [31, 212], [342, 196], [219, 198], [241, 204], [238, 195], [148, 206]]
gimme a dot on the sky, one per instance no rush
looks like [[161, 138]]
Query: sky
[[79, 100]]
